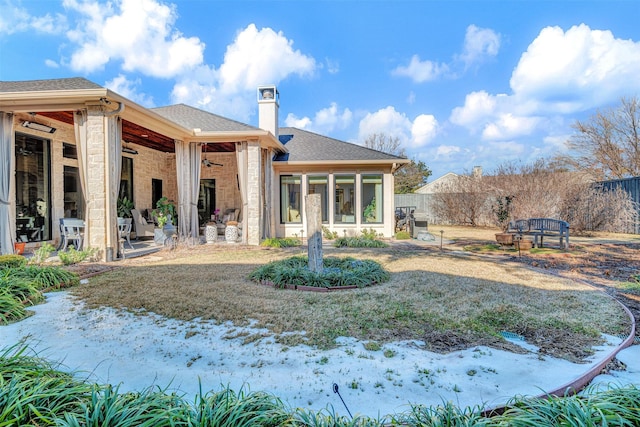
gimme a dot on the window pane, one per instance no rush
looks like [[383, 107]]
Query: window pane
[[73, 200], [290, 199], [126, 179], [371, 198], [319, 185], [33, 189], [345, 199]]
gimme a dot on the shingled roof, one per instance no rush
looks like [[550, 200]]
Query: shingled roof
[[305, 146], [194, 118], [74, 83]]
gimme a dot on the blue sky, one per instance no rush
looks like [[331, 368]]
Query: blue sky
[[460, 83]]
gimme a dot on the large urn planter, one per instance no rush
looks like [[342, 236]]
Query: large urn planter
[[231, 232], [211, 233], [504, 239]]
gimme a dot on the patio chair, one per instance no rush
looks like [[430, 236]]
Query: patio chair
[[124, 231], [143, 228], [72, 231]]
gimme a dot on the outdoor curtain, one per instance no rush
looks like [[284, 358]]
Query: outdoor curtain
[[195, 151], [184, 189], [114, 162], [242, 160], [80, 128], [188, 157], [7, 166]]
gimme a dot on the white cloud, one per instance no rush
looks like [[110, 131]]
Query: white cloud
[[413, 134], [421, 71], [560, 73], [507, 126], [296, 122], [576, 70], [446, 151], [140, 33], [51, 63], [478, 106], [333, 66], [325, 120], [259, 57], [129, 89], [254, 58], [423, 130], [15, 19], [479, 43]]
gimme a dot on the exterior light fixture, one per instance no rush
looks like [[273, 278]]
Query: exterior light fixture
[[38, 126]]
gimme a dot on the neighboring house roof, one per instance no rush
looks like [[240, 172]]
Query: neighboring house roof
[[437, 185], [194, 118], [305, 146]]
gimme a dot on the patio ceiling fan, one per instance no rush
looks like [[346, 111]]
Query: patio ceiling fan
[[209, 163]]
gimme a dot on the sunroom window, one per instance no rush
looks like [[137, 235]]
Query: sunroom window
[[290, 186], [320, 185], [372, 198], [345, 199]]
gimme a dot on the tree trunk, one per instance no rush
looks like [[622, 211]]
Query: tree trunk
[[314, 231]]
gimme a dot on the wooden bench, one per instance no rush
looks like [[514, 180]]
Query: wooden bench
[[540, 228]]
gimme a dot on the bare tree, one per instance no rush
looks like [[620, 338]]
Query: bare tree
[[385, 143], [536, 190], [464, 200], [410, 176], [592, 208], [607, 145]]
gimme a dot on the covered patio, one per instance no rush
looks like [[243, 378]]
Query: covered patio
[[174, 146]]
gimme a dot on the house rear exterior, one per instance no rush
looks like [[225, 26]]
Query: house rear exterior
[[72, 148]]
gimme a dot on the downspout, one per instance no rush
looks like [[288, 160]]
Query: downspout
[[118, 110]]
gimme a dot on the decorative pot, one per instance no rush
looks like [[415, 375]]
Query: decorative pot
[[211, 233], [231, 233], [505, 239], [18, 247]]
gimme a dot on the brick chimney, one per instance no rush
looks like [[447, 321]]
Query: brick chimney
[[268, 98]]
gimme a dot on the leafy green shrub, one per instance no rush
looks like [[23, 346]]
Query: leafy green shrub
[[403, 235], [337, 272], [73, 256], [41, 254], [10, 261], [328, 234], [370, 234], [358, 242], [281, 242]]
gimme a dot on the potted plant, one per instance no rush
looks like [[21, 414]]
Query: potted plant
[[124, 207], [502, 211], [164, 213]]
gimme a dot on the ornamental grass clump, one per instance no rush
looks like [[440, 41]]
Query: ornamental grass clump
[[281, 242], [21, 287], [368, 239], [337, 272], [33, 391]]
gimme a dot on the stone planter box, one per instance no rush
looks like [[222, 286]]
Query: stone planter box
[[524, 244], [505, 239]]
